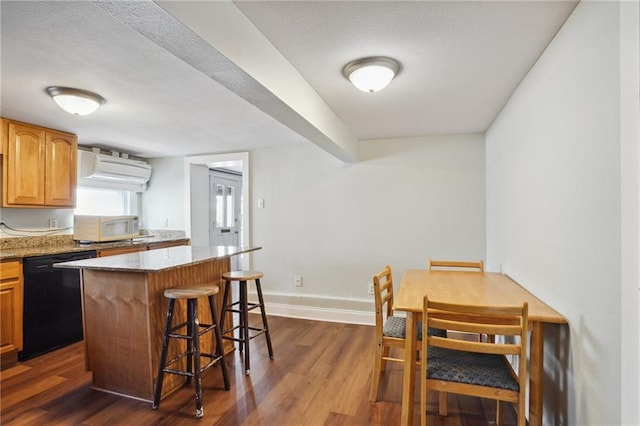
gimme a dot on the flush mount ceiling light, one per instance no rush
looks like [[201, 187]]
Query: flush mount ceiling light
[[75, 101], [371, 74]]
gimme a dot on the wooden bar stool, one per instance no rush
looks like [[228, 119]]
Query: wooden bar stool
[[193, 332], [243, 308]]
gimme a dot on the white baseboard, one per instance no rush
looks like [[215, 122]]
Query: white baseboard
[[320, 314], [319, 308]]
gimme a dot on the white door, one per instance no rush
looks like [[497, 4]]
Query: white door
[[225, 209]]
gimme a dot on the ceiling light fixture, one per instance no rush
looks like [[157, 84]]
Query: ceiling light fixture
[[75, 101], [371, 74]]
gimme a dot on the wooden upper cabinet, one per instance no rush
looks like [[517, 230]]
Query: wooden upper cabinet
[[39, 167], [60, 169], [24, 171]]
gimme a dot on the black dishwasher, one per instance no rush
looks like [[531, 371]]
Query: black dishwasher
[[52, 312]]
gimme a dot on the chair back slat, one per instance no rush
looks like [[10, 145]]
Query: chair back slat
[[456, 264], [497, 311], [474, 327], [472, 346]]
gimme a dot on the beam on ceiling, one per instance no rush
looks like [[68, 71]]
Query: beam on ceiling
[[219, 41]]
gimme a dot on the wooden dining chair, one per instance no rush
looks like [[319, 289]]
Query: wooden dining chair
[[475, 368], [456, 265], [390, 329]]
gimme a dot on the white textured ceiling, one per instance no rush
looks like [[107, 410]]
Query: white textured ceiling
[[461, 61]]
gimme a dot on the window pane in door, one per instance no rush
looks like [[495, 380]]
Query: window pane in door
[[230, 206], [220, 206]]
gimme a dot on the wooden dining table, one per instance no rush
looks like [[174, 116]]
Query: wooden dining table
[[482, 288]]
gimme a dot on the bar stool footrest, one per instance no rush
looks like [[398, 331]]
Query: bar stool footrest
[[187, 373], [260, 331], [229, 331], [204, 328], [250, 307], [214, 359]]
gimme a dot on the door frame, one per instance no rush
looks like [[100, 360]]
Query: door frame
[[237, 159]]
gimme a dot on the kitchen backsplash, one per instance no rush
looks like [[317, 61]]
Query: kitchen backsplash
[[54, 240], [36, 221]]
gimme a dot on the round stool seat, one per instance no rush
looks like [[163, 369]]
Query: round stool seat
[[242, 275], [191, 291]]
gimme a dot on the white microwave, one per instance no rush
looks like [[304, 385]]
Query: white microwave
[[105, 228]]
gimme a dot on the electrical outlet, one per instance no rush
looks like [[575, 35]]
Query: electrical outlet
[[165, 222], [53, 223], [370, 288], [298, 280]]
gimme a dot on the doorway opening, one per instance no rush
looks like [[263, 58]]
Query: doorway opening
[[201, 192]]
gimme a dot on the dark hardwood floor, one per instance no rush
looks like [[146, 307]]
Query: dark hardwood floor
[[320, 376]]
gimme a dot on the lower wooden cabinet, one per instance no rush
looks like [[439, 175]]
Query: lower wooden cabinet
[[10, 312]]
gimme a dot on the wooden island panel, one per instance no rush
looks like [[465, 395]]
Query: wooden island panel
[[124, 317]]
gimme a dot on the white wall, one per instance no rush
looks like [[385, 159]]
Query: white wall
[[338, 224], [165, 197], [554, 209], [36, 220], [630, 189]]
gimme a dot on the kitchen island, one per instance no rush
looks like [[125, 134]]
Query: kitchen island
[[124, 311]]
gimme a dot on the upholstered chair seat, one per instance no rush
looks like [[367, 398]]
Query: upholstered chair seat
[[473, 368]]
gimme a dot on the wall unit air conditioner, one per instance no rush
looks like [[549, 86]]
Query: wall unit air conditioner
[[106, 171]]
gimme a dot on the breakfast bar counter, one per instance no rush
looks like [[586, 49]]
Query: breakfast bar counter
[[124, 310]]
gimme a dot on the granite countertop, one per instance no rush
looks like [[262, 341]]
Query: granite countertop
[[65, 244], [157, 260]]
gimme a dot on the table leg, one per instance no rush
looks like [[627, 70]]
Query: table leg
[[408, 383], [536, 373]]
